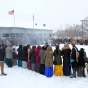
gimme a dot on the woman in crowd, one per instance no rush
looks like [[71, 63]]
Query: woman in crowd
[[66, 60], [74, 57], [38, 49], [28, 52], [42, 61], [81, 63], [20, 49], [9, 55], [48, 56], [14, 56], [58, 70], [24, 56], [32, 58]]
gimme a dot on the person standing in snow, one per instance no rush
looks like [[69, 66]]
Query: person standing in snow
[[32, 58], [2, 53], [28, 51], [74, 56], [9, 55], [58, 70], [42, 61], [14, 56], [81, 63], [48, 56], [38, 49], [20, 50], [24, 57], [66, 59]]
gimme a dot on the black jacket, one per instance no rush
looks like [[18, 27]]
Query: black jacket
[[20, 49], [2, 53], [66, 56], [75, 63], [81, 61], [24, 54], [32, 57]]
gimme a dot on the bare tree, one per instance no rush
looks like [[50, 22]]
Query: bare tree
[[85, 24]]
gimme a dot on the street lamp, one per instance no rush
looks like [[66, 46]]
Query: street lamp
[[82, 27]]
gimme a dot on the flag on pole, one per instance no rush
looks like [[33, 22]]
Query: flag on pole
[[33, 17], [11, 12]]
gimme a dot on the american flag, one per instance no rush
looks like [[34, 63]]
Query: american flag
[[11, 12]]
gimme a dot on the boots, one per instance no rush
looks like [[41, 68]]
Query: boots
[[82, 72], [3, 74]]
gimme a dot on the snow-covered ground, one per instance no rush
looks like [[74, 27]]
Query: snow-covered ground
[[23, 78]]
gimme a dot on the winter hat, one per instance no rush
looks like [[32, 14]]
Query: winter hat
[[46, 43], [57, 46], [66, 45]]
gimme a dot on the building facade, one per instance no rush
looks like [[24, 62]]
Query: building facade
[[23, 32], [7, 32]]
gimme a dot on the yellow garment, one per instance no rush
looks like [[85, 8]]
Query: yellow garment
[[76, 59], [58, 70]]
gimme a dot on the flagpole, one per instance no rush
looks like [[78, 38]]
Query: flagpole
[[33, 21], [33, 24], [14, 24], [14, 20]]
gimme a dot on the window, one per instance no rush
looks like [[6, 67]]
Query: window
[[5, 35], [12, 35]]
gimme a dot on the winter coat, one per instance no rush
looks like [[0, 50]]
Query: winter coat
[[14, 55], [57, 57], [48, 56], [32, 57], [66, 54], [38, 49], [81, 61], [75, 63], [9, 52], [20, 49], [2, 53], [24, 54], [41, 54]]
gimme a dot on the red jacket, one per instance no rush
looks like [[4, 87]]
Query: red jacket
[[37, 54]]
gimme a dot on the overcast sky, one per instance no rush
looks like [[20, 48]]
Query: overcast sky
[[51, 12]]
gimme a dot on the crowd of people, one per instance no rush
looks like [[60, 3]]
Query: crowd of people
[[79, 41], [43, 60]]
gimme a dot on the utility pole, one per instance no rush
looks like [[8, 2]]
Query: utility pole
[[82, 28]]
